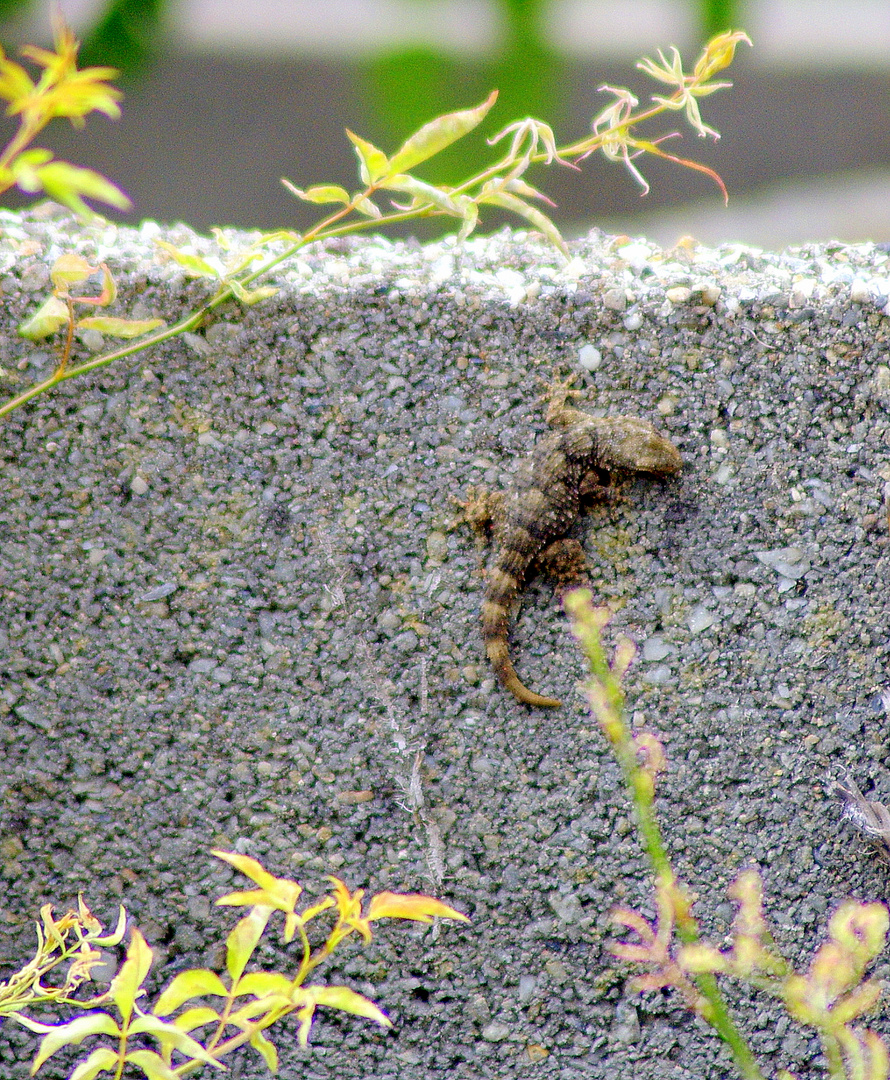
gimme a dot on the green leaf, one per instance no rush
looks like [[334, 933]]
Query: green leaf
[[531, 214], [265, 1049], [423, 193], [251, 296], [196, 1017], [126, 986], [263, 1011], [341, 997], [23, 169], [15, 82], [116, 936], [109, 288], [102, 1059], [470, 216], [374, 162], [390, 905], [518, 186], [244, 939], [285, 235], [169, 1035], [122, 328], [368, 208], [438, 134], [67, 183], [198, 982], [152, 1064], [320, 193], [50, 317], [193, 264], [70, 269], [71, 1034], [260, 983]]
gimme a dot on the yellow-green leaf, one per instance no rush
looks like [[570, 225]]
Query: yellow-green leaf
[[194, 265], [122, 328], [109, 288], [531, 214], [51, 316], [116, 936], [423, 193], [438, 134], [197, 982], [323, 905], [285, 235], [374, 162], [196, 1017], [265, 1049], [15, 82], [416, 906], [244, 939], [152, 1064], [67, 183], [702, 958], [320, 193], [280, 893], [126, 986], [170, 1035], [102, 1059], [518, 186], [470, 213], [251, 296], [24, 168], [249, 867], [368, 208], [260, 983], [305, 1015], [341, 997], [70, 269], [860, 1000], [71, 1034], [267, 1008]]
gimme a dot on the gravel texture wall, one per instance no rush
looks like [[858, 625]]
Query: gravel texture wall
[[235, 613]]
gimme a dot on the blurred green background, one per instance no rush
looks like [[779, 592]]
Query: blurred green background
[[223, 98]]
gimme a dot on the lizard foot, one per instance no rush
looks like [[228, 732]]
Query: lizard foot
[[480, 510], [557, 395]]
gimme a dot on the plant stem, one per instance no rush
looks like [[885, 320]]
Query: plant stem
[[607, 702]]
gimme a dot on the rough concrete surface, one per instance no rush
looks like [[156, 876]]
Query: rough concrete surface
[[234, 611]]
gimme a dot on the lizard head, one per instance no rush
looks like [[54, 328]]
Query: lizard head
[[629, 443]]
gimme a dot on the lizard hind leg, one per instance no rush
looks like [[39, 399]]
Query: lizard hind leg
[[565, 563]]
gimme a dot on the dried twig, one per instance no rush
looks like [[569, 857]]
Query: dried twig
[[870, 818]]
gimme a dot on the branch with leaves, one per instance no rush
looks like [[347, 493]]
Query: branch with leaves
[[829, 997], [614, 132], [245, 1004], [60, 91]]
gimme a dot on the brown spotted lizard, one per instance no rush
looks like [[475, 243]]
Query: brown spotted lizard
[[531, 521]]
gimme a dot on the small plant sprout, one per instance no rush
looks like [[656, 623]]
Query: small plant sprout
[[68, 271], [232, 1010], [391, 192], [60, 91], [829, 997]]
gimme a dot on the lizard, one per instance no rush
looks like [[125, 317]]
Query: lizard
[[531, 520]]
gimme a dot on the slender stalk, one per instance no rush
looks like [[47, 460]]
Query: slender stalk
[[607, 702]]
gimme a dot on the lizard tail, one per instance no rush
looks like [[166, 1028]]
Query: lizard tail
[[503, 668], [494, 633]]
